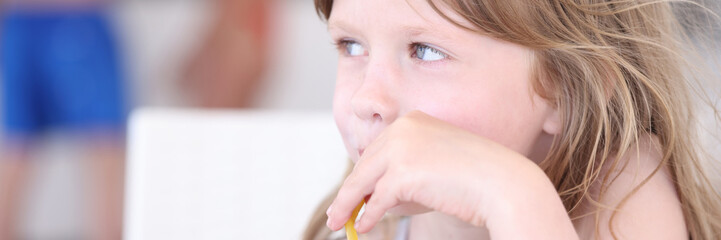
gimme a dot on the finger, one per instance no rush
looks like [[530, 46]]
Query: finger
[[383, 199], [359, 184]]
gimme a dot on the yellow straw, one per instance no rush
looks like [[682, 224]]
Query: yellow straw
[[349, 226]]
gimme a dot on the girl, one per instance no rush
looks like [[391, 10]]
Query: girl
[[542, 119]]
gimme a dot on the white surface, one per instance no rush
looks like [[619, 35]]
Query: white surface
[[228, 175]]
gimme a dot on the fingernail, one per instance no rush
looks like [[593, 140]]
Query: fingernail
[[357, 225], [327, 223], [327, 212]]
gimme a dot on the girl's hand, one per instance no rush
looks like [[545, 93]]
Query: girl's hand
[[420, 163]]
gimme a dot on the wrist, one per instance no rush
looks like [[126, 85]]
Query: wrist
[[524, 204]]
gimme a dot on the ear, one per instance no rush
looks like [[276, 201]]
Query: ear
[[552, 123]]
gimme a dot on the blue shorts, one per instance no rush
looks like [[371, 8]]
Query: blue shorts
[[59, 70]]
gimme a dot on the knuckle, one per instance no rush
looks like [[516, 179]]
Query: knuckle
[[408, 187]]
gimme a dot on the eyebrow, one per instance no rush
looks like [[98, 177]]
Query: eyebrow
[[341, 25], [417, 31], [440, 40], [408, 30]]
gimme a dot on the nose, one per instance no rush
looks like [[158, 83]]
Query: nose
[[375, 100]]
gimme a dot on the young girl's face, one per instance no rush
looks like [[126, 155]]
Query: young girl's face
[[400, 55]]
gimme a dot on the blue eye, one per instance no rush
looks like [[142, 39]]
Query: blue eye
[[427, 53], [351, 48]]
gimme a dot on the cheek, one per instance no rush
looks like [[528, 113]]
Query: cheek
[[499, 113], [342, 113], [513, 129]]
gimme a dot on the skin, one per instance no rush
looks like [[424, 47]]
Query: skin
[[13, 178], [227, 69], [452, 136]]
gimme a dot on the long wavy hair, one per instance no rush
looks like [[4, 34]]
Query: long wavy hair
[[617, 70]]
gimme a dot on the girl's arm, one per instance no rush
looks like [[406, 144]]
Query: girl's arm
[[527, 205], [422, 160]]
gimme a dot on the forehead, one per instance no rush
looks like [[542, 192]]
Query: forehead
[[410, 16]]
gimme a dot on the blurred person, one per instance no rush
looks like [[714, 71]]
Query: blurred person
[[60, 71], [228, 67]]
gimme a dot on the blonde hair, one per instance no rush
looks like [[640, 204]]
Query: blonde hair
[[616, 70]]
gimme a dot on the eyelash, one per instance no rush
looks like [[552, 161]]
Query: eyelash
[[413, 48], [342, 44]]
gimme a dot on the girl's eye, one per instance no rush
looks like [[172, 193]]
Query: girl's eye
[[427, 53], [351, 48]]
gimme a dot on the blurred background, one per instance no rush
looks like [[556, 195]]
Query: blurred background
[[164, 53], [219, 54]]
